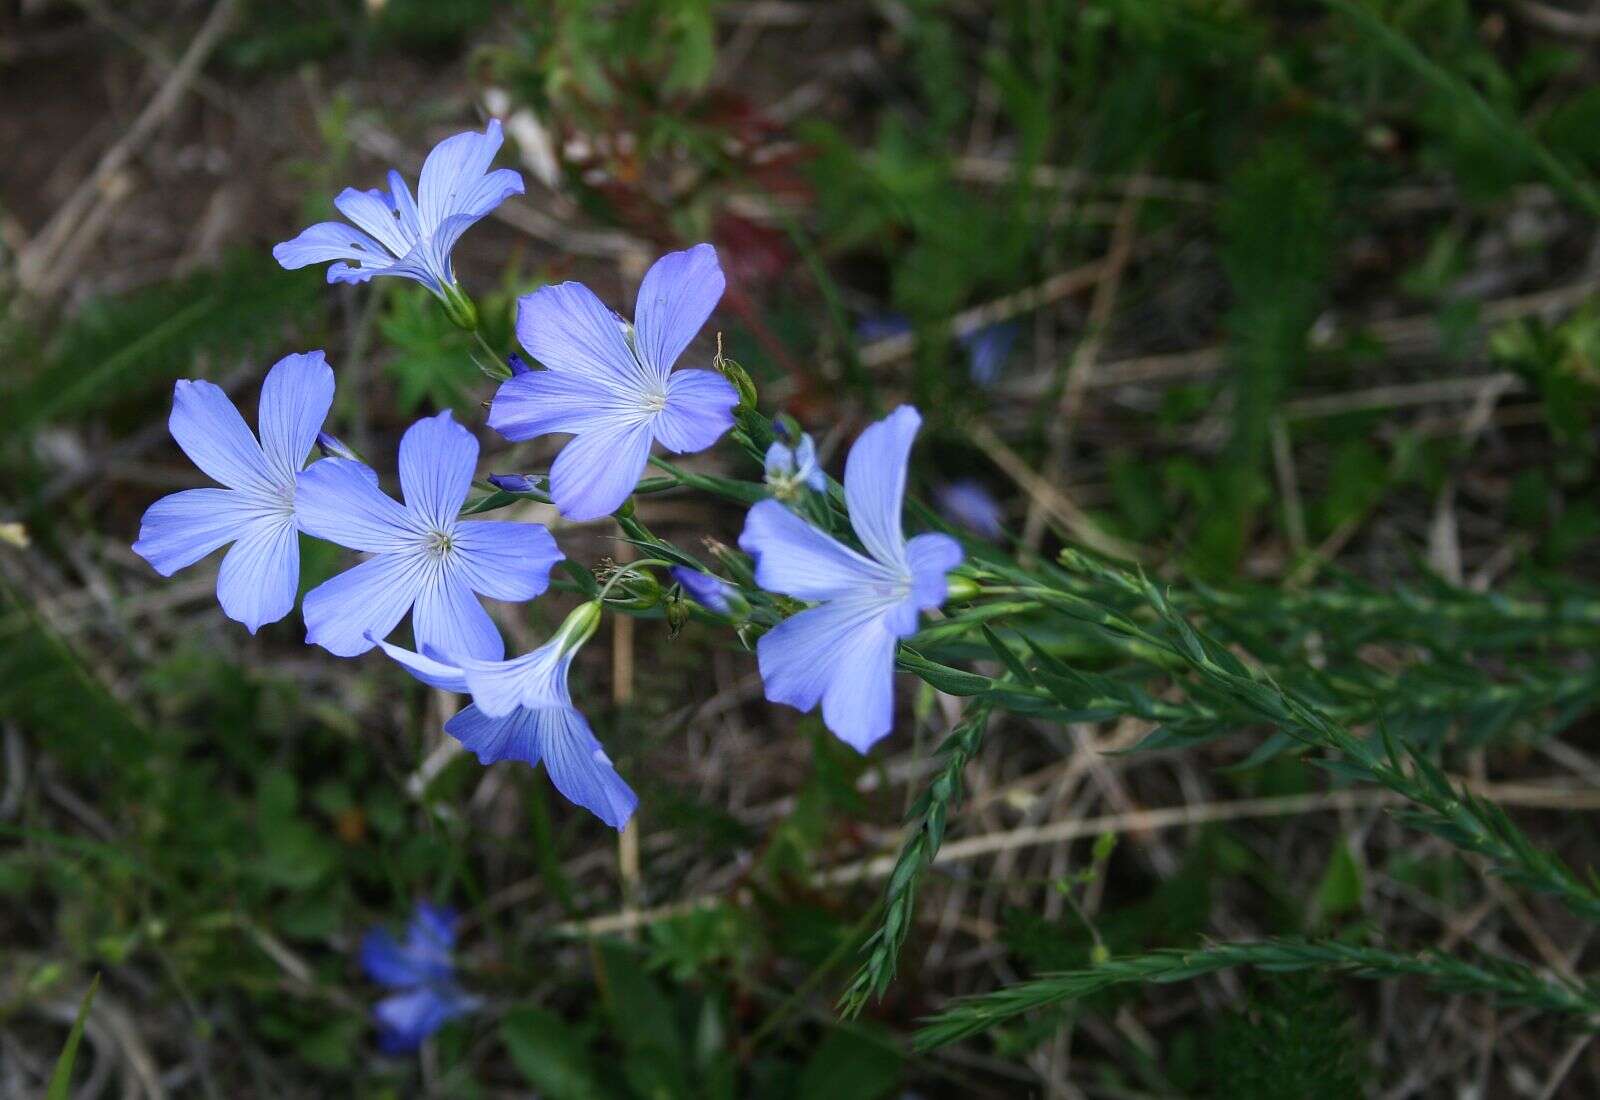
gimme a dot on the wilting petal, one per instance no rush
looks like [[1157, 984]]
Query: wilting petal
[[699, 409], [798, 560], [369, 211], [596, 471], [437, 457], [452, 170], [333, 241], [180, 529], [295, 399], [532, 404], [677, 296], [260, 576], [339, 500], [875, 484], [370, 599], [495, 739], [449, 620], [840, 654], [504, 559], [216, 438], [567, 328], [434, 673], [580, 768]]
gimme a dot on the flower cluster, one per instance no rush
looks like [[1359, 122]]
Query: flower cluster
[[609, 384]]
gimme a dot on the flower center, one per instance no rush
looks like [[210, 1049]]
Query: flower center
[[441, 544], [655, 402]]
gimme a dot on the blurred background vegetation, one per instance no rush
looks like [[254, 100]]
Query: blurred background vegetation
[[1298, 308]]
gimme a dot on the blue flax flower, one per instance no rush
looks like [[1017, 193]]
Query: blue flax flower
[[987, 349], [256, 511], [968, 503], [611, 384], [841, 652], [522, 710], [423, 974], [425, 559], [789, 469], [711, 593], [395, 234]]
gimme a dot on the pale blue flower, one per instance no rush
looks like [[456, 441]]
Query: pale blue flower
[[987, 349], [789, 469], [841, 653], [969, 504], [425, 559], [256, 511], [522, 710], [394, 234], [611, 385], [423, 973]]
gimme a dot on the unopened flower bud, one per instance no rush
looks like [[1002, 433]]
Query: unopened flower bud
[[959, 589], [333, 447], [513, 483]]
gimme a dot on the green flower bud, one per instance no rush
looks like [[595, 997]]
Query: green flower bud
[[959, 589]]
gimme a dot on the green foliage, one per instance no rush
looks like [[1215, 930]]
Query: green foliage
[[1295, 1037], [61, 1080]]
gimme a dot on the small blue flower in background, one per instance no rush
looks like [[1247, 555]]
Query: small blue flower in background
[[969, 504], [611, 385], [711, 593], [789, 469], [841, 652], [425, 559], [522, 710], [988, 348], [422, 972], [256, 512], [396, 235]]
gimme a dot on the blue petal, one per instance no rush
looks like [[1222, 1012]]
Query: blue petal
[[376, 217], [449, 620], [216, 439], [387, 963], [987, 351], [339, 500], [453, 169], [437, 457], [260, 576], [479, 200], [432, 672], [796, 559], [931, 557], [596, 471], [405, 207], [881, 326], [530, 405], [505, 559], [699, 409], [706, 590], [295, 399], [431, 934], [536, 679], [580, 768], [875, 484], [969, 504], [180, 529], [677, 296], [567, 328], [494, 739], [406, 1019], [370, 599], [334, 241], [840, 654]]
